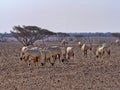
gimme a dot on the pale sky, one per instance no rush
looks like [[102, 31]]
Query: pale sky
[[61, 15]]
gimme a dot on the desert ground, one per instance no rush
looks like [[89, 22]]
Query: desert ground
[[79, 73]]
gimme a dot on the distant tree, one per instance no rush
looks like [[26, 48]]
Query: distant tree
[[116, 35], [78, 35], [62, 36], [27, 35], [3, 37], [75, 37]]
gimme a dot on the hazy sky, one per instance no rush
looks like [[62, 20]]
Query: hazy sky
[[62, 15]]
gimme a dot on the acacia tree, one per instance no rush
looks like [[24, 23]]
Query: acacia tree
[[27, 35]]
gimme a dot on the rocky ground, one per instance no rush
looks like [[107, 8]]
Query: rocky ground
[[79, 74]]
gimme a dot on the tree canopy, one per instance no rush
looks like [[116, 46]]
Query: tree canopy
[[116, 35], [27, 35]]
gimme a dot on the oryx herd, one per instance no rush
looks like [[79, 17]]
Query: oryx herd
[[61, 53], [47, 54]]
